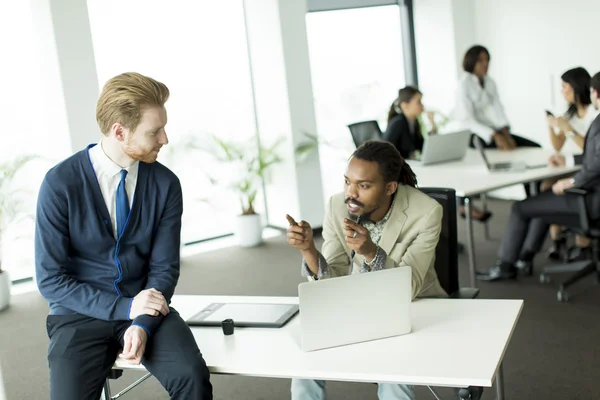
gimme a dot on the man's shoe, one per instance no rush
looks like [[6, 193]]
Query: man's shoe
[[524, 268], [500, 271], [484, 216], [555, 252]]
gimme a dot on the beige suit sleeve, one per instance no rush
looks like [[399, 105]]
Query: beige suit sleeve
[[421, 252], [338, 262]]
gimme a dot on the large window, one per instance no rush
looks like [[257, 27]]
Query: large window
[[198, 49], [24, 132], [357, 68]]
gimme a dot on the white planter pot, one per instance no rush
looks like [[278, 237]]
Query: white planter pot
[[4, 290], [249, 230]]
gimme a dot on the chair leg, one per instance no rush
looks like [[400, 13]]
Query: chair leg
[[434, 393], [486, 225], [573, 267], [106, 395], [589, 269], [580, 270]]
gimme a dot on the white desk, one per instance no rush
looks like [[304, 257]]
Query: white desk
[[456, 343], [470, 177]]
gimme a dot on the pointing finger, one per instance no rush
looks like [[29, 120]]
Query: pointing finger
[[290, 220]]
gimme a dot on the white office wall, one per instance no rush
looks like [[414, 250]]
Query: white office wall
[[531, 46], [463, 17], [436, 58]]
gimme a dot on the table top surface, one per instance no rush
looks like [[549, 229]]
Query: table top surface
[[470, 177], [453, 343]]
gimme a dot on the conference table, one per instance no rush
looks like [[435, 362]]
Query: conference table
[[470, 178], [453, 343]]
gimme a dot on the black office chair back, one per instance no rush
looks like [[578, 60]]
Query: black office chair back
[[364, 131], [588, 226], [446, 252]]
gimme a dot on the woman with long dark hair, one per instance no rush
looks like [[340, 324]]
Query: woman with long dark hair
[[567, 135], [567, 132]]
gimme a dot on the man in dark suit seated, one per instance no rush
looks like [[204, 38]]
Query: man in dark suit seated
[[530, 219]]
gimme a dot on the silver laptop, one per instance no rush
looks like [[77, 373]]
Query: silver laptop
[[444, 147], [355, 308], [507, 165]]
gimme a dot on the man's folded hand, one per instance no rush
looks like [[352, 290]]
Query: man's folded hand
[[150, 302], [134, 344]]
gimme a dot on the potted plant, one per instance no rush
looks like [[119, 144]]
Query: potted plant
[[11, 208], [252, 162]]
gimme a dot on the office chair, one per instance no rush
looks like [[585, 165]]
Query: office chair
[[446, 252], [589, 228], [446, 265], [363, 131]]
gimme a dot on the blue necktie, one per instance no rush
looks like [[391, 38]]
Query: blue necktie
[[122, 204]]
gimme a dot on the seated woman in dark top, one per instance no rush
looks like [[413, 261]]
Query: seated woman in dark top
[[403, 129], [404, 132]]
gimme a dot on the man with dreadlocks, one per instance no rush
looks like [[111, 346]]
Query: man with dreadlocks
[[379, 221]]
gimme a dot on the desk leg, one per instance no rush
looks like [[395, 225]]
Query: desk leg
[[486, 226], [106, 394], [533, 190], [470, 243], [500, 383]]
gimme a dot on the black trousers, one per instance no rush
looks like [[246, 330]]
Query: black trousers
[[521, 142], [83, 349], [529, 222]]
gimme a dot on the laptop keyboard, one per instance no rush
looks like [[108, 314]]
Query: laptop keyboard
[[505, 165]]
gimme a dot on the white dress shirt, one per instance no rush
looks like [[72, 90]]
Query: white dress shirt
[[477, 108], [581, 126], [109, 175]]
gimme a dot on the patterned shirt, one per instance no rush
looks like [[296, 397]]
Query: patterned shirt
[[378, 263]]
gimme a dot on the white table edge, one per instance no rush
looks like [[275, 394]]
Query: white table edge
[[557, 173], [352, 377], [509, 338]]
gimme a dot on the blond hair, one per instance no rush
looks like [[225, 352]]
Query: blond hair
[[124, 97]]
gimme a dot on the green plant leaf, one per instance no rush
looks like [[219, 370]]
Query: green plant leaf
[[254, 161]]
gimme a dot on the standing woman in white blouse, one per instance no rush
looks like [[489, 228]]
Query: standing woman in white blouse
[[478, 107]]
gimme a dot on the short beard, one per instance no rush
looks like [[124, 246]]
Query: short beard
[[137, 155], [363, 217]]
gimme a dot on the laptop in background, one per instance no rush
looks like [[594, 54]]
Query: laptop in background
[[355, 308], [507, 165], [440, 148]]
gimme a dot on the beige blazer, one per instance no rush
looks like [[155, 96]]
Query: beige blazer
[[409, 238]]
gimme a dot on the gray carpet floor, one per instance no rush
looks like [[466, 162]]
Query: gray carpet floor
[[554, 353]]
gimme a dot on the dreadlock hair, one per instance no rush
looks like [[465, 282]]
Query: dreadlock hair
[[391, 164]]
